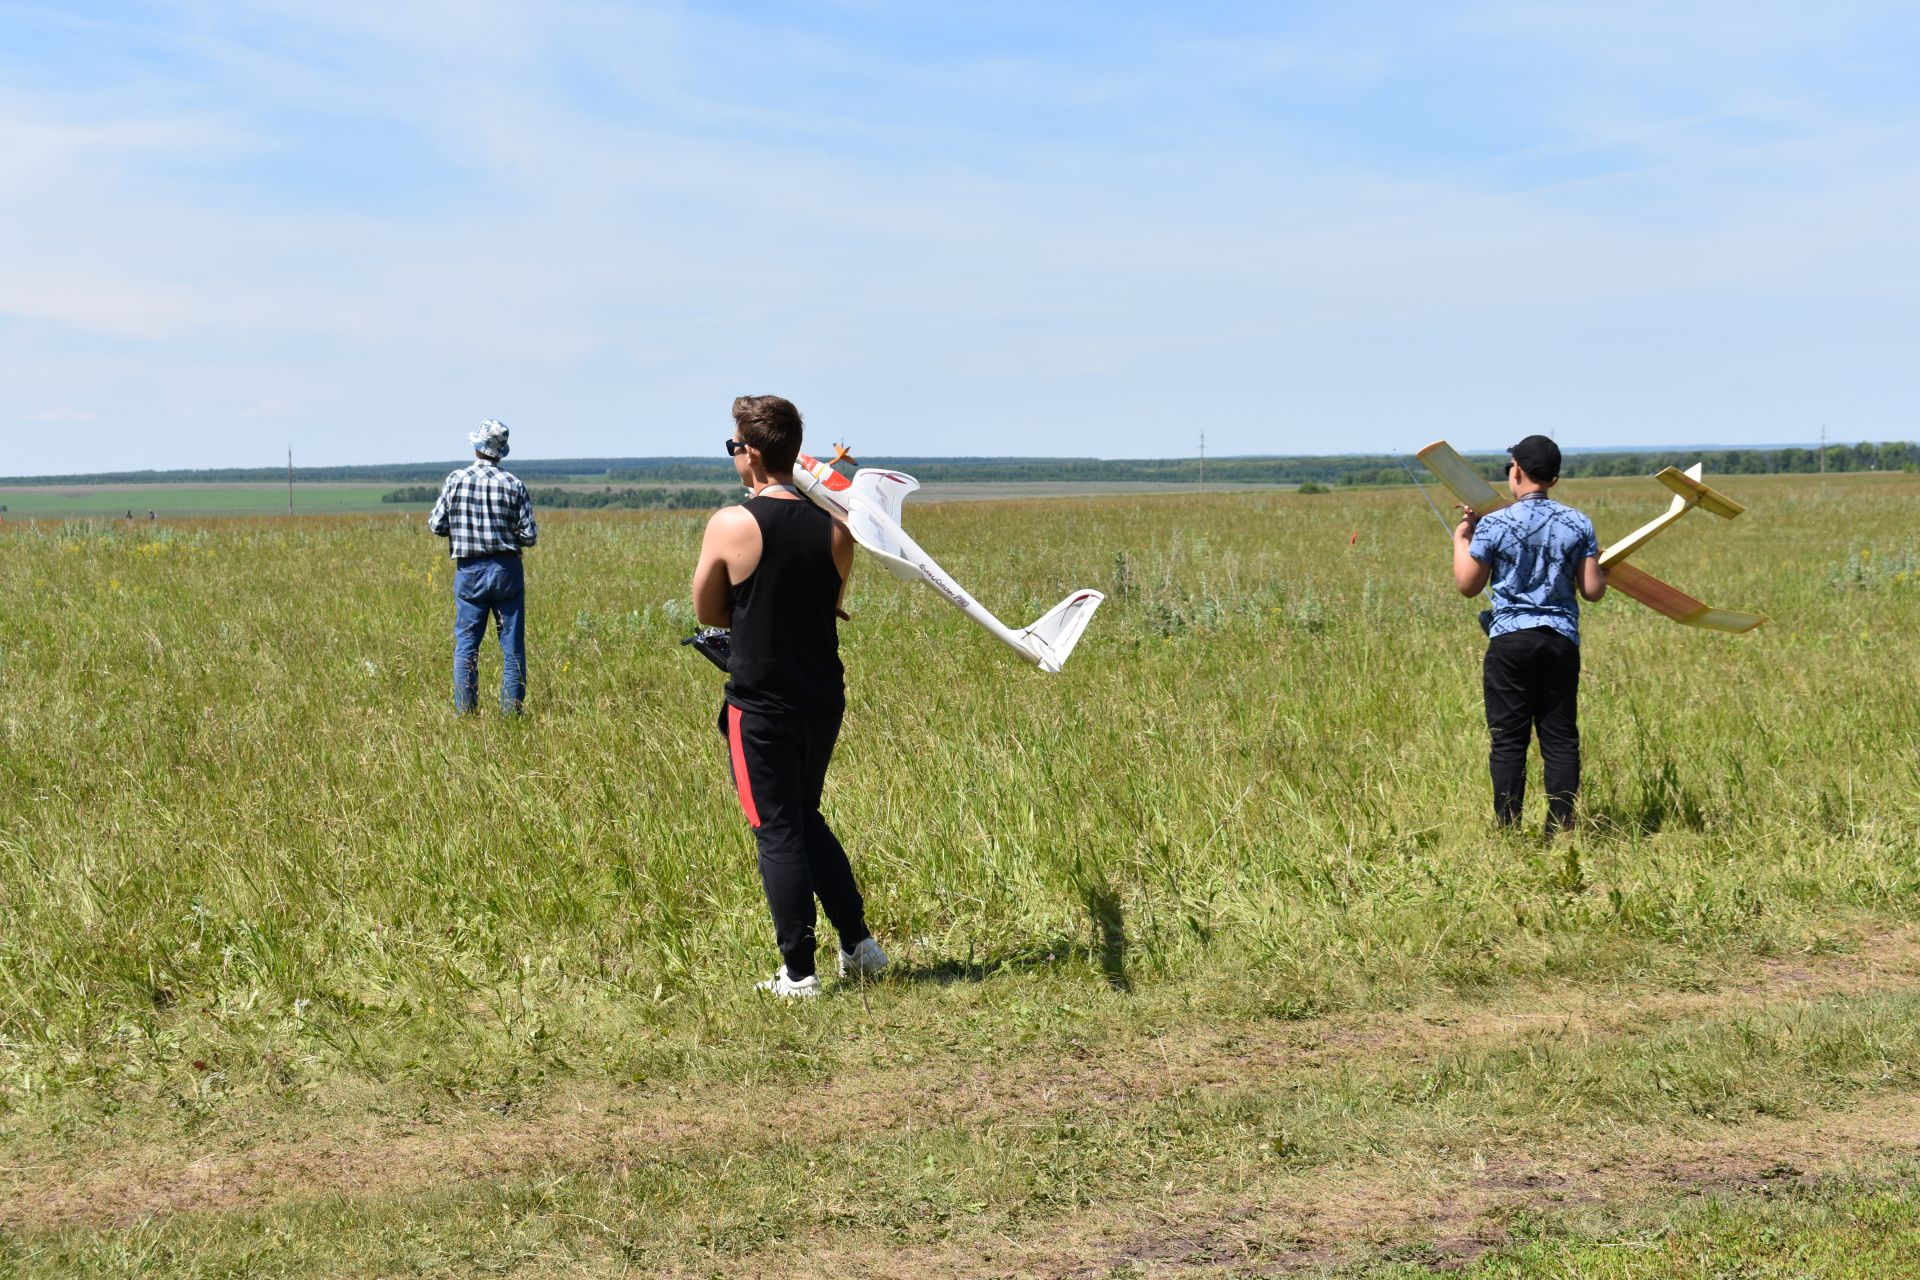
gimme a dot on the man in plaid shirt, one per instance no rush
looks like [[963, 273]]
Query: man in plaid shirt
[[487, 517]]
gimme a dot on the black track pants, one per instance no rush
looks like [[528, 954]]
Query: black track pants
[[1532, 682], [779, 768]]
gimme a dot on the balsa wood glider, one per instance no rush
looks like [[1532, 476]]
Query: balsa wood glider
[[1689, 492]]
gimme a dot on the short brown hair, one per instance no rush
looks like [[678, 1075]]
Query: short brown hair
[[771, 425]]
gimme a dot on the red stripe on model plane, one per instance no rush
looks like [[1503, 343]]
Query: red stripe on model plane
[[741, 783]]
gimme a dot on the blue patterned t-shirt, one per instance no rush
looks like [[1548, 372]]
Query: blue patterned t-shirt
[[1534, 549]]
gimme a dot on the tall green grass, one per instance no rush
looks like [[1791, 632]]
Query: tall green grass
[[246, 852]]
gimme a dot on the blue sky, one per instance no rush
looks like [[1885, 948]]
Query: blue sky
[[359, 227]]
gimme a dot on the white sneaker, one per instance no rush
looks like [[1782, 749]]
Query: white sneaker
[[864, 961], [786, 988]]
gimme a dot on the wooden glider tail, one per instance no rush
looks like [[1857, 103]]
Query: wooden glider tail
[[1461, 479], [1677, 604], [1686, 485]]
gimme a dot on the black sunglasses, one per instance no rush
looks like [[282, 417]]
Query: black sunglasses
[[736, 446]]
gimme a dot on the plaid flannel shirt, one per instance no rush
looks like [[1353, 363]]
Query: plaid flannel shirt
[[483, 511]]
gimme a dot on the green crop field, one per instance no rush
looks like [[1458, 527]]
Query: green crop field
[[1208, 960]]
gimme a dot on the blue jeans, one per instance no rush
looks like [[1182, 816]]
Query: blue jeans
[[484, 585]]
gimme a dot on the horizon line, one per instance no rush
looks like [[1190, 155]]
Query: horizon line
[[274, 472]]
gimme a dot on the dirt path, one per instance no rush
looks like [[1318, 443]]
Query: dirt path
[[1444, 1215], [1314, 1216]]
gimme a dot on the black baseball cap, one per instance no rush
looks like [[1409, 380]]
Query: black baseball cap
[[1539, 457]]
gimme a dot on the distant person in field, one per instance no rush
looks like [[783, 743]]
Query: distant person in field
[[487, 517], [1542, 559], [774, 569]]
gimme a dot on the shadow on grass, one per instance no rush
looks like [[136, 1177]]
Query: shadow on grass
[[1656, 798], [1107, 952], [1109, 934]]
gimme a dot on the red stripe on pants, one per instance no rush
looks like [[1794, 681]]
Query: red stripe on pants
[[741, 783]]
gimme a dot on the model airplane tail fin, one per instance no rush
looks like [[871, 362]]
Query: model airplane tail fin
[[1054, 634], [1689, 491]]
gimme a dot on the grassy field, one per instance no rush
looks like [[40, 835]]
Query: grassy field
[[1209, 961], [178, 501]]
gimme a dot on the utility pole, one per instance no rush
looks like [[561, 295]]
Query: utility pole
[[1203, 457], [289, 479], [1823, 453]]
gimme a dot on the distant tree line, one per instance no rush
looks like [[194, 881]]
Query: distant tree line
[[1340, 469], [1353, 469], [620, 499], [1748, 462], [548, 469], [672, 471], [1386, 469]]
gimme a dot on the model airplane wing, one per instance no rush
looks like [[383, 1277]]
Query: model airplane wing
[[870, 504], [884, 489], [1677, 604], [884, 539], [1461, 479]]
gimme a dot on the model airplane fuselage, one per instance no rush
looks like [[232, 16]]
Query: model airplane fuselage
[[869, 505], [1689, 492]]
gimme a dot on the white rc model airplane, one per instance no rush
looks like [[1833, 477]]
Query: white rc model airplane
[[1472, 489], [869, 505]]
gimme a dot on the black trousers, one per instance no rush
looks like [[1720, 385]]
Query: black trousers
[[779, 769], [1532, 680]]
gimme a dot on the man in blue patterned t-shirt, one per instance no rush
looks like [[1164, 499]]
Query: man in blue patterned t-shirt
[[1542, 559]]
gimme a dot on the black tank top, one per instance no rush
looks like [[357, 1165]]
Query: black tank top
[[786, 638]]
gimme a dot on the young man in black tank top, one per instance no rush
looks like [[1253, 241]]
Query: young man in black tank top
[[774, 570]]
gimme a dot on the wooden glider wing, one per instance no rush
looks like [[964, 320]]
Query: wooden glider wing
[[1461, 479], [1677, 604]]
